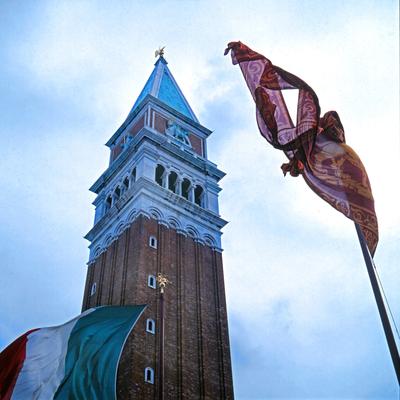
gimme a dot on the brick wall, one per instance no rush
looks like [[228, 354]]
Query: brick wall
[[132, 131], [197, 144], [197, 355]]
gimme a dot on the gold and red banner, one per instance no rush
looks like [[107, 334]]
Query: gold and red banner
[[315, 146]]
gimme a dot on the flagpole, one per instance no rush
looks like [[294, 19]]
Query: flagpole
[[161, 373], [162, 282], [380, 303]]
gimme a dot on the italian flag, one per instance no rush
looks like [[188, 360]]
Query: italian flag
[[76, 360]]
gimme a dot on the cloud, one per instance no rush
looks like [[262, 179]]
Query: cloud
[[303, 321]]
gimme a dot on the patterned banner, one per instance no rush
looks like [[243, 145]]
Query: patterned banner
[[315, 146]]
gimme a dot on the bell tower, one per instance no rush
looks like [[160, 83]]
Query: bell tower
[[157, 213]]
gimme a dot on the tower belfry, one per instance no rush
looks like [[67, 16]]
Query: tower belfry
[[157, 213]]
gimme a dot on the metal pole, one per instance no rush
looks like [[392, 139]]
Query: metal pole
[[380, 303], [162, 282], [161, 366]]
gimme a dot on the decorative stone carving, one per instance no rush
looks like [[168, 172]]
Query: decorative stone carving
[[177, 132]]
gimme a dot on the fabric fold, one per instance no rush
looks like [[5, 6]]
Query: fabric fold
[[315, 146]]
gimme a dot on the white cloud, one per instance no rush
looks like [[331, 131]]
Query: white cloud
[[294, 274]]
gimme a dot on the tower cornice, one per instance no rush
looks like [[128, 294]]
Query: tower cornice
[[147, 198], [208, 217]]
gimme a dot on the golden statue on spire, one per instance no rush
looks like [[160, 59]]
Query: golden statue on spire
[[159, 52]]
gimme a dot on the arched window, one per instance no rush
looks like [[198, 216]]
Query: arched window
[[209, 240], [198, 195], [151, 281], [125, 184], [150, 326], [133, 175], [108, 202], [153, 242], [117, 193], [93, 289], [186, 188], [149, 375], [160, 175], [172, 180]]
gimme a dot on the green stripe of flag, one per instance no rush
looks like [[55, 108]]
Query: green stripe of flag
[[94, 349]]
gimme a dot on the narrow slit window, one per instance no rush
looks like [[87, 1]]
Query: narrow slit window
[[151, 281], [151, 326], [153, 242], [93, 289], [149, 375]]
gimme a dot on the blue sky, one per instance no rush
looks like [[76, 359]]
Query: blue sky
[[303, 322]]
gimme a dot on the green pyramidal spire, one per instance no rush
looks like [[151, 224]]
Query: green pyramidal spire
[[162, 85]]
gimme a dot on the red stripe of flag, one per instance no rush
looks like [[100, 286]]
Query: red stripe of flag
[[11, 360]]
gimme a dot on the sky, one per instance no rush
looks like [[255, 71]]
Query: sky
[[302, 318]]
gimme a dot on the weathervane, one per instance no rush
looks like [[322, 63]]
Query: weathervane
[[159, 52]]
